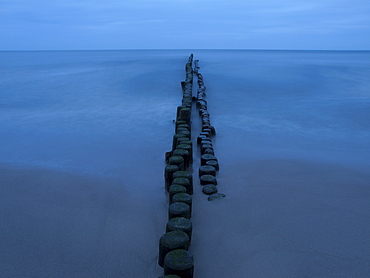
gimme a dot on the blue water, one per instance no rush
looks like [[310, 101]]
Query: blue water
[[102, 120], [282, 100], [70, 103]]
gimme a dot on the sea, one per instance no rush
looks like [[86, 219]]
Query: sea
[[83, 141]]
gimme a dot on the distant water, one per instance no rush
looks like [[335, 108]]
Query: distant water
[[60, 108], [104, 118]]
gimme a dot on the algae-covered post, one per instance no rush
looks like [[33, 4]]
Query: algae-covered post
[[174, 189], [183, 197], [168, 175], [171, 241], [179, 262], [179, 209], [180, 224]]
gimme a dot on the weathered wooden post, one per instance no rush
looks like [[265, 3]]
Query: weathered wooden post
[[169, 170], [183, 198], [187, 175], [178, 161], [171, 241], [180, 224], [208, 179], [207, 170], [179, 262], [179, 209], [174, 189]]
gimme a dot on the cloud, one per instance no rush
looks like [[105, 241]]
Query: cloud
[[166, 19]]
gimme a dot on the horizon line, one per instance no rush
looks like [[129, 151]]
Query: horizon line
[[187, 49]]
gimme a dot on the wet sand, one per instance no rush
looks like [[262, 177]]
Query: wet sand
[[287, 217], [56, 224]]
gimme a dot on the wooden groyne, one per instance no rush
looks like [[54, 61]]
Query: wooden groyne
[[208, 162], [174, 255]]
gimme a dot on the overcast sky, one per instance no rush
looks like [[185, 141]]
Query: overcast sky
[[184, 24]]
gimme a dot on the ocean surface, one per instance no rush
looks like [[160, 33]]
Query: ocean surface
[[83, 137]]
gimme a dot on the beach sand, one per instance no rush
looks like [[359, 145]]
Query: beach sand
[[281, 218]]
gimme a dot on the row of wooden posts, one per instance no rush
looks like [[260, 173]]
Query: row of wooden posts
[[174, 255], [208, 163]]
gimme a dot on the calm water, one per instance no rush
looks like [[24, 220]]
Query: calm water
[[60, 108], [96, 124]]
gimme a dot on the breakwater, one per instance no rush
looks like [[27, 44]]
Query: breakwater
[[209, 165], [174, 255]]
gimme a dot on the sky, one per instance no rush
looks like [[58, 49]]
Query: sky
[[184, 24]]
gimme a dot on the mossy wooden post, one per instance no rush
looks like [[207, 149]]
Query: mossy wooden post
[[206, 141], [206, 129], [187, 147], [179, 209], [184, 198], [174, 189], [169, 170], [184, 114], [178, 161], [178, 114], [184, 182], [184, 140], [208, 179], [171, 241], [183, 86], [167, 156], [185, 174], [212, 128], [183, 127], [205, 134], [206, 157], [179, 262], [184, 154], [204, 147], [209, 151], [216, 196], [213, 163], [186, 133], [179, 123], [207, 170], [200, 138], [175, 138], [181, 224], [209, 189], [186, 101]]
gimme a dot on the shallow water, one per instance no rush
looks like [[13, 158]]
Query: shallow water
[[83, 142]]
